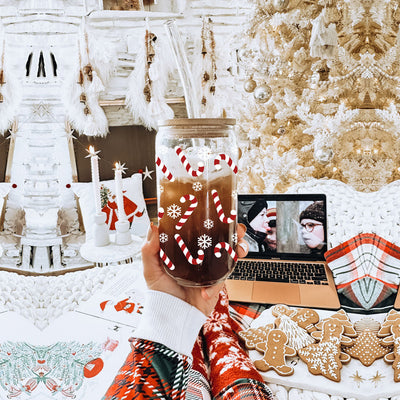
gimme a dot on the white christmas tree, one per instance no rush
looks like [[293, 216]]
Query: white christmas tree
[[320, 93]]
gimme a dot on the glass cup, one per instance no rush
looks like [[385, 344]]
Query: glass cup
[[197, 198]]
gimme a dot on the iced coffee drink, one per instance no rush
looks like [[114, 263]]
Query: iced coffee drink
[[197, 200]]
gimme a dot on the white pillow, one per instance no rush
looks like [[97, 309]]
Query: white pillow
[[134, 204]]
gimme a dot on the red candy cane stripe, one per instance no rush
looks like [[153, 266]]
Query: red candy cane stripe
[[227, 247], [229, 161], [164, 169], [191, 260], [160, 213], [221, 215], [166, 260], [186, 164], [188, 213]]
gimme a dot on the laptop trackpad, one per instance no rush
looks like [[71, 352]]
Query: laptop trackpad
[[239, 290], [275, 292]]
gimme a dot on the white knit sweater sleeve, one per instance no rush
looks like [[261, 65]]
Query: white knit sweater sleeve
[[170, 321]]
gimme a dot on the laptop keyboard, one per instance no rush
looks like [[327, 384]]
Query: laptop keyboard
[[290, 272]]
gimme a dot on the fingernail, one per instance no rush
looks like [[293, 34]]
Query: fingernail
[[243, 245]]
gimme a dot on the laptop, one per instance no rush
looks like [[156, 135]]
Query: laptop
[[287, 241]]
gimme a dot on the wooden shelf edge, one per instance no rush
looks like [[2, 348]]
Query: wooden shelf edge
[[121, 102]]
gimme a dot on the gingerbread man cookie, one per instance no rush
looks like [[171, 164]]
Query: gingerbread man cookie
[[275, 352], [306, 318]]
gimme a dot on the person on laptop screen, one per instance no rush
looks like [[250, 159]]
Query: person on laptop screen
[[256, 222], [312, 227], [270, 239]]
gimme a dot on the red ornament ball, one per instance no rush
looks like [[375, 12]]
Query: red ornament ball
[[68, 185], [140, 171], [14, 185]]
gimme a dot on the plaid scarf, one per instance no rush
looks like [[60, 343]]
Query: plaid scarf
[[366, 269]]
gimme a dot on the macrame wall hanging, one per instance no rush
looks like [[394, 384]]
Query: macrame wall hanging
[[82, 94], [10, 91], [147, 83]]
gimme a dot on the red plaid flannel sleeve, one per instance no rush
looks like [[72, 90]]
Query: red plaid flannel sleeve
[[151, 371], [246, 389]]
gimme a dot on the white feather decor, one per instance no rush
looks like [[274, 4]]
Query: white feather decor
[[81, 94], [10, 92], [324, 40], [147, 83]]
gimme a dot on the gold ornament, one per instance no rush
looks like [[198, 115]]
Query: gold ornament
[[249, 85], [262, 93], [323, 155], [280, 5], [281, 131]]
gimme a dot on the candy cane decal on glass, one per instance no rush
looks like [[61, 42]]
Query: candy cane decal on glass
[[187, 165], [189, 211], [229, 161], [164, 169], [220, 212], [186, 252], [227, 247], [166, 260]]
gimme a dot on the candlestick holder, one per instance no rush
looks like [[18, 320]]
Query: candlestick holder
[[100, 230], [123, 235]]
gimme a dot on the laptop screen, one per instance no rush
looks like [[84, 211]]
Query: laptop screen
[[284, 226]]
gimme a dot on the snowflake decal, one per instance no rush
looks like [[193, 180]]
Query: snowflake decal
[[163, 237], [208, 224], [204, 241], [174, 211], [234, 238], [205, 153], [197, 186]]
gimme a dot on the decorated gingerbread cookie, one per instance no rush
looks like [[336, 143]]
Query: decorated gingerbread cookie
[[275, 352], [394, 356], [367, 347], [325, 358], [393, 317], [296, 323], [306, 318], [343, 318], [281, 309], [252, 336]]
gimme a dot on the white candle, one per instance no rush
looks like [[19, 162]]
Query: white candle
[[119, 169], [94, 163]]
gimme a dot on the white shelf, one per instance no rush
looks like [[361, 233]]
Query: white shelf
[[130, 15]]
